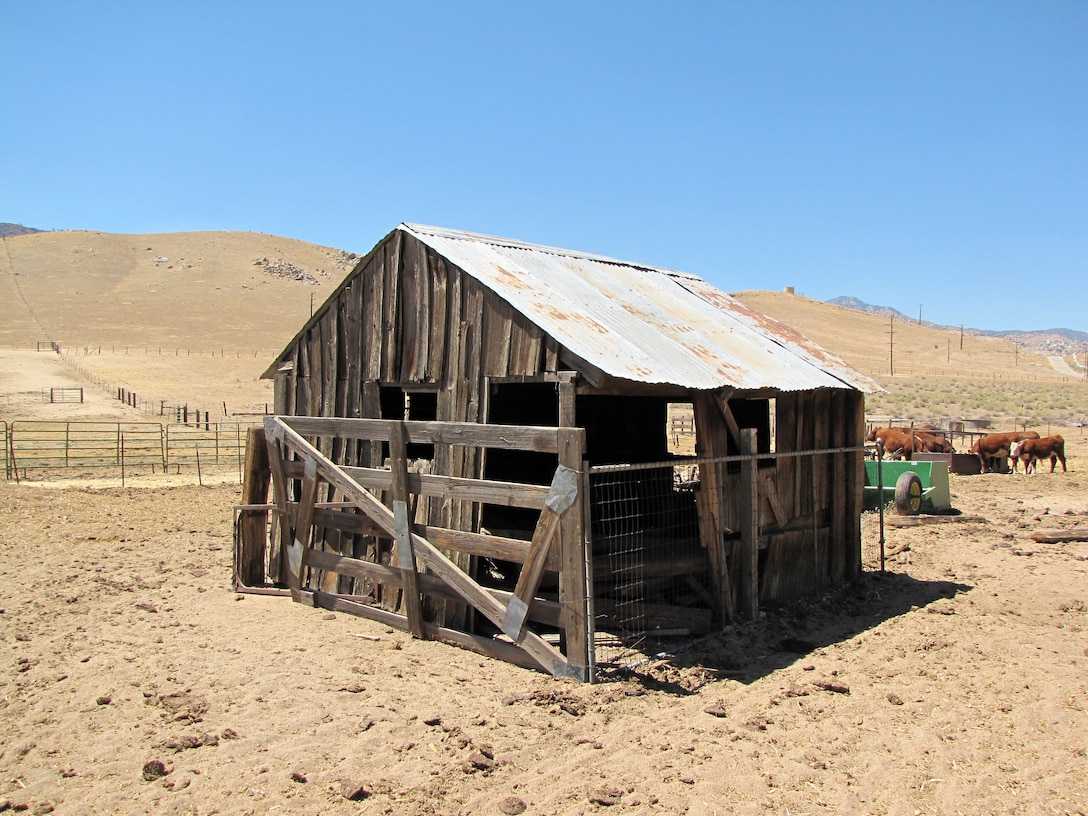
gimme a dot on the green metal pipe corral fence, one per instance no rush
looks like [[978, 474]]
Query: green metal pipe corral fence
[[35, 445]]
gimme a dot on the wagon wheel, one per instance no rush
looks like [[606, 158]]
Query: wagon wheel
[[908, 494]]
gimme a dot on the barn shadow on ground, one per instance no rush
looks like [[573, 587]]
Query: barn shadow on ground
[[749, 652]]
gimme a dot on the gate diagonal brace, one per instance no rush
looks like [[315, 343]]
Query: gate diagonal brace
[[407, 562], [545, 655], [296, 550], [561, 495]]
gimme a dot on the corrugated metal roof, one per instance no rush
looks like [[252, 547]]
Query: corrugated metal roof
[[641, 323]]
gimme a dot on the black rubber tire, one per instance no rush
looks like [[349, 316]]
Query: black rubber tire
[[908, 494]]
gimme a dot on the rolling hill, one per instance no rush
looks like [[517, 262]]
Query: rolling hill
[[198, 290], [883, 349], [198, 316]]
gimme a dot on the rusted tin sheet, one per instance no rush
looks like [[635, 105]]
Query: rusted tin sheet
[[642, 323]]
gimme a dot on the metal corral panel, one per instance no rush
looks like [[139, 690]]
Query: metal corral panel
[[641, 323]]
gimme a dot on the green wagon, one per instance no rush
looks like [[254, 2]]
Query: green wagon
[[913, 487]]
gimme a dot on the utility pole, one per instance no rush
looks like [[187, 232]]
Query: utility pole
[[920, 305], [961, 337]]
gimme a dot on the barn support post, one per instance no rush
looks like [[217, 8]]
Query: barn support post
[[840, 566], [711, 441], [856, 469], [567, 397], [748, 587]]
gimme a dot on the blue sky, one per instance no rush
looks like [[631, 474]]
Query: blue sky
[[917, 154]]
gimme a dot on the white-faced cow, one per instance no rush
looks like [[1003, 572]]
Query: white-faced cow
[[997, 446], [1030, 451]]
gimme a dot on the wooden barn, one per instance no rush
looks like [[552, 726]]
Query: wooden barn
[[476, 440]]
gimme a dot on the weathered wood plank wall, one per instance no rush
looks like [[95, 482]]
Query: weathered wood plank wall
[[410, 317], [407, 317], [820, 495]]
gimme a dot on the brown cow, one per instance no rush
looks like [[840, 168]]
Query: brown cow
[[997, 446], [931, 443], [897, 443], [905, 441], [1030, 451]]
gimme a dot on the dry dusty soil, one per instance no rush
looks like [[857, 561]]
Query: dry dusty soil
[[134, 680]]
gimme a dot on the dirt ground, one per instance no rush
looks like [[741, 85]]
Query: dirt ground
[[134, 680]]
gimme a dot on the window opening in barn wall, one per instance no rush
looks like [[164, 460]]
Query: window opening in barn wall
[[410, 403], [681, 429]]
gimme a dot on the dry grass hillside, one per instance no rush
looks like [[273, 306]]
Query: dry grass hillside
[[928, 375], [190, 290], [880, 348], [179, 318], [195, 318]]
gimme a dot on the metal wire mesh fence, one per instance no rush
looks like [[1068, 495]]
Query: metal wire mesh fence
[[646, 556], [655, 583]]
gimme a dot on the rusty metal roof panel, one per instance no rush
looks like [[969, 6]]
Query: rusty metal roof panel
[[642, 323]]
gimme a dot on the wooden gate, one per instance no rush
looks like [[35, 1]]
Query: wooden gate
[[382, 502]]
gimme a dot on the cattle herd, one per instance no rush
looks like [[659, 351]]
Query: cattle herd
[[1025, 448]]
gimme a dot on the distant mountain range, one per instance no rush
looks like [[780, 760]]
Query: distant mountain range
[[1046, 341]]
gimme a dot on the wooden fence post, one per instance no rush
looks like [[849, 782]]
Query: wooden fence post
[[712, 441], [404, 555], [575, 575], [249, 567]]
